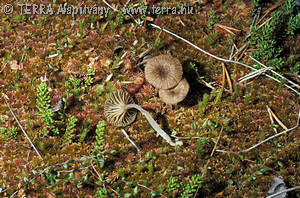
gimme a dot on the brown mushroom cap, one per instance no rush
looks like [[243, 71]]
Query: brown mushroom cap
[[163, 71], [176, 94], [116, 110]]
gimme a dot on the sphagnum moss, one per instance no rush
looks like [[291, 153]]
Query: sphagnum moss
[[245, 122]]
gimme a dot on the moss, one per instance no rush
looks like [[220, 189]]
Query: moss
[[87, 42]]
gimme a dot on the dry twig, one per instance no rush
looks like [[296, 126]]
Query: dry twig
[[291, 82], [254, 74], [132, 142], [27, 137], [284, 191], [228, 78]]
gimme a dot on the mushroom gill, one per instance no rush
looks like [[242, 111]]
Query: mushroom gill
[[120, 110], [116, 111]]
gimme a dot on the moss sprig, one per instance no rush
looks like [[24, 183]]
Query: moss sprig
[[99, 145], [191, 187], [45, 111], [71, 124]]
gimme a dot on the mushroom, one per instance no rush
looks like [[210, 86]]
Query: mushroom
[[163, 71], [119, 109], [116, 110], [176, 94]]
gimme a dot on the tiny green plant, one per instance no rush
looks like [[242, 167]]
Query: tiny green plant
[[218, 97], [288, 6], [213, 19], [116, 63], [90, 76], [265, 39], [293, 24], [173, 184], [191, 187], [99, 146], [193, 66], [45, 111], [101, 192], [267, 47], [142, 18], [255, 4], [71, 124], [73, 86], [200, 144], [202, 104], [112, 25], [120, 17], [158, 44], [85, 129], [9, 133]]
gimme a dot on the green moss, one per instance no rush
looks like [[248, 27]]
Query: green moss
[[85, 59]]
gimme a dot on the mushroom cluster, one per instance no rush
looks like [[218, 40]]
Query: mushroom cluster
[[120, 110], [165, 73]]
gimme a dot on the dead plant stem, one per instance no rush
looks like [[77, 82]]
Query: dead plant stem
[[27, 137]]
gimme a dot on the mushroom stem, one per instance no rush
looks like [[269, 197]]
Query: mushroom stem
[[154, 125]]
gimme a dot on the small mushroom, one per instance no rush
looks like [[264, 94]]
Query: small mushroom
[[116, 111], [176, 94], [119, 109], [163, 71]]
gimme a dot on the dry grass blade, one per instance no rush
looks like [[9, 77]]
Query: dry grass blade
[[271, 118], [254, 74], [228, 29], [228, 79], [144, 53], [132, 142], [103, 183], [276, 118], [223, 77], [226, 74], [291, 82], [46, 43], [27, 137], [244, 47]]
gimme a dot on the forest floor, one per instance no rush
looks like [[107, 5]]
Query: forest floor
[[73, 63]]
